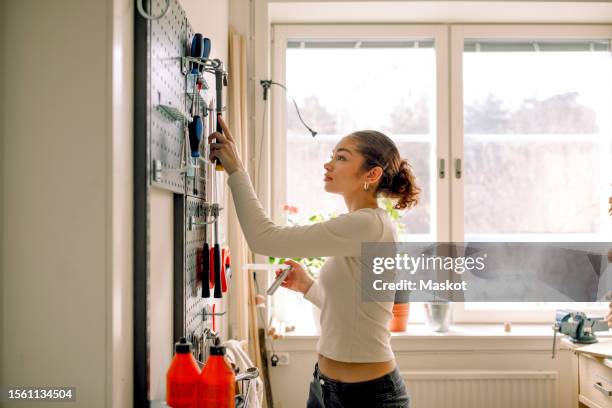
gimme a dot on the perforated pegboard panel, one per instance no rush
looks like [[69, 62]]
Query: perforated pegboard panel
[[163, 100], [167, 43], [170, 90], [194, 243]]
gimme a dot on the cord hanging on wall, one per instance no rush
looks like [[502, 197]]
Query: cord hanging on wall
[[266, 84]]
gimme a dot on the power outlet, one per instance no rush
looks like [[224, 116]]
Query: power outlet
[[283, 358]]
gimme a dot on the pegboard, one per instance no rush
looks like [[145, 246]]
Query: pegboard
[[194, 243], [163, 96], [170, 106]]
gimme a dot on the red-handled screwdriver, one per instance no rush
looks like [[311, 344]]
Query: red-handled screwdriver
[[206, 258]]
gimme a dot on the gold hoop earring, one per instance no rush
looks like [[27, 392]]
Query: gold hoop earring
[[365, 186]]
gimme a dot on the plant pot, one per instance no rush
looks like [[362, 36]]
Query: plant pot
[[438, 316], [400, 317]]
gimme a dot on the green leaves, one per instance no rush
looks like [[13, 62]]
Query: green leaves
[[312, 264], [315, 264], [395, 215]]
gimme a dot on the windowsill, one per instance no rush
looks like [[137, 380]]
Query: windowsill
[[463, 330], [479, 338]]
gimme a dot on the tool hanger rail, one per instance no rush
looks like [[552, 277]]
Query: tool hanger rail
[[209, 65], [193, 223], [158, 170]]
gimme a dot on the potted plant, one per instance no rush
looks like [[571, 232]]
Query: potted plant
[[438, 315], [401, 304], [401, 311]]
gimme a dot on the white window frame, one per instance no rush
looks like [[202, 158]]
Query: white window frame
[[449, 40], [439, 33], [458, 33]]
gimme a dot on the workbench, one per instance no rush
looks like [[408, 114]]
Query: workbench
[[594, 370]]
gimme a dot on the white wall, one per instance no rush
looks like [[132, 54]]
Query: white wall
[[2, 172], [57, 127], [161, 290], [66, 196], [436, 353]]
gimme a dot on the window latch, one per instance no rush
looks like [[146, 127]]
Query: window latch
[[441, 172], [458, 168]]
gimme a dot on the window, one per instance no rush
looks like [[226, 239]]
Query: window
[[533, 130], [342, 86], [536, 116], [523, 110]]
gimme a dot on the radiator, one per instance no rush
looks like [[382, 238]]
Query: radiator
[[482, 389]]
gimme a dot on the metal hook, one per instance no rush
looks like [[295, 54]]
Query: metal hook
[[206, 313]]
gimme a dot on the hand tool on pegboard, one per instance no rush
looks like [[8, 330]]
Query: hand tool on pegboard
[[224, 255], [211, 179], [206, 256], [196, 51], [226, 269], [196, 129], [207, 46], [217, 248], [220, 82], [217, 251]]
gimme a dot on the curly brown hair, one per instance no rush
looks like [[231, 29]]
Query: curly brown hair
[[398, 180]]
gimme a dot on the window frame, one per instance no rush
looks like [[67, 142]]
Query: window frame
[[281, 33], [458, 34], [449, 40]]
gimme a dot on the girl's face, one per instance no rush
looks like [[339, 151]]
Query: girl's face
[[343, 172]]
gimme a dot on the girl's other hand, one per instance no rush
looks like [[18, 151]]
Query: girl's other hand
[[297, 279]]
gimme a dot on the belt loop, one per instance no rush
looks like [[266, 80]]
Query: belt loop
[[318, 374]]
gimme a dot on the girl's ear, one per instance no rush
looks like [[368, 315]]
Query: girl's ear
[[374, 174]]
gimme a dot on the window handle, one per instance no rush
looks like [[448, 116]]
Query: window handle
[[458, 168], [441, 170]]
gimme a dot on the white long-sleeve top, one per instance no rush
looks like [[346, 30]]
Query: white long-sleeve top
[[352, 330]]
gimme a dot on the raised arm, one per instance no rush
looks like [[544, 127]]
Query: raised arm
[[340, 236]]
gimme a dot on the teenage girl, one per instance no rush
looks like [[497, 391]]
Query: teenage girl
[[356, 366]]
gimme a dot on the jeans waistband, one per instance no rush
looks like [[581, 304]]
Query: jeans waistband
[[388, 380]]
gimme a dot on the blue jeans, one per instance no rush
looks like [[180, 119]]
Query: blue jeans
[[388, 391]]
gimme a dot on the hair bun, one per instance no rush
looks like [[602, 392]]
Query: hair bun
[[401, 179], [403, 186]]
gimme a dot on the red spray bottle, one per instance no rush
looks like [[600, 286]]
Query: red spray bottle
[[216, 386], [182, 377]]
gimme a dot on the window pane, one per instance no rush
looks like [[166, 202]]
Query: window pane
[[537, 137], [537, 144], [346, 85]]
